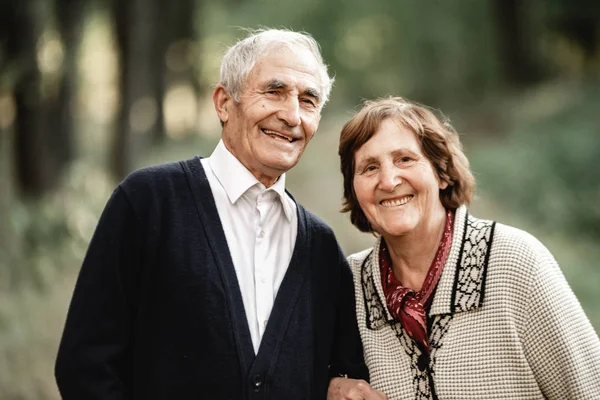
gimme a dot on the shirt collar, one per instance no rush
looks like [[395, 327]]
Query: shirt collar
[[237, 180]]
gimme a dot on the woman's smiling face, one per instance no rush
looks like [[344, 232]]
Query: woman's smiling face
[[396, 185]]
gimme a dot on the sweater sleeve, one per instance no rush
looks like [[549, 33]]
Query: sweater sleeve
[[347, 353], [94, 357], [561, 345]]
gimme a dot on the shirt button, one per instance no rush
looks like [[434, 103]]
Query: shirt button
[[263, 279], [261, 234]]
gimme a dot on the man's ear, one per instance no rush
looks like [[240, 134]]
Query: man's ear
[[222, 101]]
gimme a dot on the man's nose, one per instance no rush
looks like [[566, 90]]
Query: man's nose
[[389, 178], [290, 111]]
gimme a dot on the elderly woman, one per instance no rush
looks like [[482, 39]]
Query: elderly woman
[[451, 306]]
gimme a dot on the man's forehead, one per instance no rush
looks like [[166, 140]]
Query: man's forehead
[[287, 65]]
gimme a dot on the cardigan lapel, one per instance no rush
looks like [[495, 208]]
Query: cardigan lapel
[[378, 314], [462, 284], [211, 223], [287, 295]]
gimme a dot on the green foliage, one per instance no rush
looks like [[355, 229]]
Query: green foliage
[[551, 175], [423, 50], [542, 178]]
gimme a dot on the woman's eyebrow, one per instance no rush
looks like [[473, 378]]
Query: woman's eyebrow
[[367, 160], [404, 150]]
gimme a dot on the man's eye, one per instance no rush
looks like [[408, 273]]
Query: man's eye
[[370, 168], [309, 102]]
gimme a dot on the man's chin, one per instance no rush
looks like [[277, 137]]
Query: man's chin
[[280, 166]]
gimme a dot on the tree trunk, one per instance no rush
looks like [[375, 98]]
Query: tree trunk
[[70, 15], [516, 58], [34, 167], [140, 100], [183, 46]]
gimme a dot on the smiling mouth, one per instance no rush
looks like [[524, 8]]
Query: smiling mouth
[[278, 135], [396, 202]]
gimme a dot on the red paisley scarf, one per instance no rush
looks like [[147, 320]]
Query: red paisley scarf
[[407, 305]]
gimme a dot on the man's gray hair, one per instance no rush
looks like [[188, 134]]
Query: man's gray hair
[[241, 58]]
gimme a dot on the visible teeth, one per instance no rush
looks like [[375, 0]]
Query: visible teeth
[[395, 203], [277, 134]]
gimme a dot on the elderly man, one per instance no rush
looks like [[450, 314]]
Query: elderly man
[[205, 279]]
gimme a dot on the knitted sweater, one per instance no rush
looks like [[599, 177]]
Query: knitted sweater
[[504, 324]]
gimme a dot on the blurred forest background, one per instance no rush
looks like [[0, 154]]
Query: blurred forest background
[[91, 89]]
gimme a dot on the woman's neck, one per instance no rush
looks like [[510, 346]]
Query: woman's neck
[[412, 254]]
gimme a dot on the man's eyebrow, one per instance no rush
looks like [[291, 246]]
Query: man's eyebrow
[[275, 84], [314, 93], [279, 84]]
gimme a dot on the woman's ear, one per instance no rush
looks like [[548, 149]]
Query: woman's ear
[[221, 100]]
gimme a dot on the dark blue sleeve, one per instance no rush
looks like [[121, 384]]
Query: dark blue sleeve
[[94, 357], [347, 353]]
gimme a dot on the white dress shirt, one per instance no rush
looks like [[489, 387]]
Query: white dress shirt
[[260, 226]]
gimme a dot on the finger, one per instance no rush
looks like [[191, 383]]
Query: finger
[[373, 394]]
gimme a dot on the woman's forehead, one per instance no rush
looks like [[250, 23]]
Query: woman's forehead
[[390, 136]]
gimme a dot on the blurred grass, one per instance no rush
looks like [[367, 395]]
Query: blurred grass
[[37, 276]]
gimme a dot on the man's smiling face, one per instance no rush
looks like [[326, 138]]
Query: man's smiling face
[[277, 115]]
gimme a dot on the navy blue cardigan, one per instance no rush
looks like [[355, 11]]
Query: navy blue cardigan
[[157, 311]]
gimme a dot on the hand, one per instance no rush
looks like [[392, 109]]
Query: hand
[[352, 389]]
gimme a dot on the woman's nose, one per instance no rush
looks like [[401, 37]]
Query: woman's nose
[[390, 178]]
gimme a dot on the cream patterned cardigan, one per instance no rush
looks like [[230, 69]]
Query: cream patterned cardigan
[[504, 324]]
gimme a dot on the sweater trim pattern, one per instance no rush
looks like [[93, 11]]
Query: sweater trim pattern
[[469, 281]]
